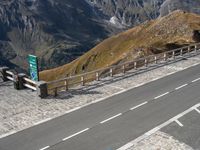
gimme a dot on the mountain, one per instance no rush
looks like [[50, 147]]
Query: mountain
[[127, 13], [151, 37], [59, 31], [186, 5]]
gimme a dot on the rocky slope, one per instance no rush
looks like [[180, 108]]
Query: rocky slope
[[126, 13], [151, 37], [59, 31], [186, 5]]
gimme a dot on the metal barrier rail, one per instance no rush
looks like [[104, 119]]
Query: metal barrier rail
[[21, 81], [30, 84], [24, 81], [65, 83]]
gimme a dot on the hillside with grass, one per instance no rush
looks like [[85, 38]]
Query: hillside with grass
[[165, 33]]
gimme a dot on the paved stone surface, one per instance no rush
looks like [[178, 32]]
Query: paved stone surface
[[189, 133], [23, 109], [160, 141]]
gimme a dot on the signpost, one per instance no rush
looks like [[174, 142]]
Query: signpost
[[33, 65]]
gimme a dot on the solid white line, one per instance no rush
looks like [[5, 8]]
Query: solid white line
[[69, 137], [139, 105], [179, 123], [196, 80], [154, 130], [44, 148], [197, 110], [111, 118], [181, 86], [42, 121], [7, 134], [161, 95]]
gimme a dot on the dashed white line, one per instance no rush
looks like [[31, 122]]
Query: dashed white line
[[196, 80], [44, 148], [179, 123], [161, 95], [111, 118], [182, 86], [197, 110], [138, 105], [73, 135]]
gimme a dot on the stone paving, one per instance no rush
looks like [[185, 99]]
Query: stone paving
[[160, 141], [23, 109]]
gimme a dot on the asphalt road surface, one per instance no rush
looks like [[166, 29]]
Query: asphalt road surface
[[189, 131], [109, 124]]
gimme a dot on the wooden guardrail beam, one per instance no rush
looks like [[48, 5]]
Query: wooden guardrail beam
[[110, 70]]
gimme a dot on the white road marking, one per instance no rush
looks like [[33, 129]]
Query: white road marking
[[196, 80], [111, 118], [179, 123], [161, 95], [42, 121], [7, 134], [44, 148], [138, 105], [197, 110], [73, 135], [154, 130], [181, 86]]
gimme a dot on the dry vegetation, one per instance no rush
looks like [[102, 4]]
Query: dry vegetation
[[169, 32]]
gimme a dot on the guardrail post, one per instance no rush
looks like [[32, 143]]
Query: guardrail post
[[66, 85], [124, 69], [173, 55], [181, 52], [21, 77], [155, 59], [189, 49], [135, 65], [3, 73], [83, 81], [42, 89], [18, 81], [55, 92], [146, 62], [111, 72], [165, 56], [195, 48], [97, 76]]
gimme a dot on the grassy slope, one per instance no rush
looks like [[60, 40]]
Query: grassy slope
[[155, 36]]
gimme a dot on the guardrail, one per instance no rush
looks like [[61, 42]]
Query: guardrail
[[64, 84], [44, 89], [21, 81]]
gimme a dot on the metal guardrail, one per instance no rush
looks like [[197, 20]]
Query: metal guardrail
[[64, 84], [30, 84], [26, 82], [21, 81]]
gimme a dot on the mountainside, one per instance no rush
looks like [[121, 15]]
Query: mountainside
[[126, 13], [151, 37], [187, 5], [59, 31]]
